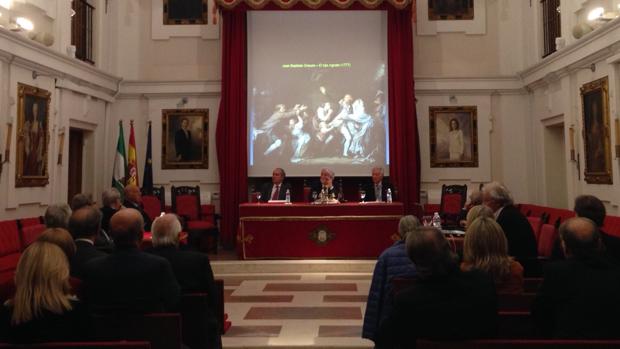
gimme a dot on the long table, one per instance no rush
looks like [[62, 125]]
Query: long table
[[349, 230]]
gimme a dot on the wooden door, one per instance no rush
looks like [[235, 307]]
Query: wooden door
[[76, 146]]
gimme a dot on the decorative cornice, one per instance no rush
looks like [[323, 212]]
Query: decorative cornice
[[162, 89], [468, 85], [312, 4]]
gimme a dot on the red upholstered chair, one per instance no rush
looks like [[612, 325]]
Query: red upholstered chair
[[536, 223], [154, 203], [81, 345], [612, 225], [26, 222], [546, 240], [453, 199], [30, 233], [10, 246], [163, 330], [202, 230]]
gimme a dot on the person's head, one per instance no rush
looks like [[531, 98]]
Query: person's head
[[127, 228], [377, 175], [476, 212], [407, 224], [428, 249], [111, 198], [132, 193], [475, 198], [591, 207], [327, 177], [580, 237], [165, 230], [277, 176], [327, 105], [486, 248], [454, 124], [496, 195], [85, 223], [41, 282], [280, 108], [81, 200], [185, 123], [57, 216], [61, 238]]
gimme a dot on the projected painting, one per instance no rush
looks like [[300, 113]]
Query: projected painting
[[318, 102]]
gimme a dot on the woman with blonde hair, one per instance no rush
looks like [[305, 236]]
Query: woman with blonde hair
[[476, 212], [43, 310], [486, 248], [61, 238]]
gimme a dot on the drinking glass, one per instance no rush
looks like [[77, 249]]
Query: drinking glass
[[362, 195], [258, 195], [315, 195]]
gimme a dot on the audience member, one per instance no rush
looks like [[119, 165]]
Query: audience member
[[61, 238], [57, 216], [393, 262], [521, 238], [81, 200], [377, 189], [191, 269], [84, 225], [42, 309], [111, 201], [477, 212], [276, 189], [129, 279], [444, 302], [133, 199], [578, 297], [485, 248]]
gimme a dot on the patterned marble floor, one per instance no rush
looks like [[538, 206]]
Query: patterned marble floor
[[319, 309]]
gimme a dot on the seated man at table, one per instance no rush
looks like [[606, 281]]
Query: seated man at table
[[133, 199], [377, 189], [326, 187], [276, 189]]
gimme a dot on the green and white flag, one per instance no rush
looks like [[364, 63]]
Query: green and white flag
[[119, 174]]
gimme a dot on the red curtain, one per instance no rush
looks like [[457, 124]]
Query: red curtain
[[231, 134]]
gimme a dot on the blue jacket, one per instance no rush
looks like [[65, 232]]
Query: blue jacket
[[393, 262]]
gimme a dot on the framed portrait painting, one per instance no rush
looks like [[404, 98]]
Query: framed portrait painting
[[439, 10], [185, 139], [453, 136], [32, 136], [597, 144], [178, 12]]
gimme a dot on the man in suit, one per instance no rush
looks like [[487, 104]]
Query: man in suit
[[443, 302], [183, 141], [521, 238], [326, 186], [111, 203], [191, 269], [84, 225], [57, 216], [578, 297], [129, 280], [377, 189], [133, 199], [276, 190]]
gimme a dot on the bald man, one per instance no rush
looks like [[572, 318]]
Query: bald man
[[129, 279], [133, 199], [579, 296], [84, 226]]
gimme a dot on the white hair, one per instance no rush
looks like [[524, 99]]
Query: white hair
[[499, 193], [332, 174], [110, 196], [165, 230]]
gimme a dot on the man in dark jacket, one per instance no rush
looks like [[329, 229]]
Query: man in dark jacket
[[276, 190], [377, 189], [84, 226], [393, 262], [519, 233], [578, 297], [133, 199]]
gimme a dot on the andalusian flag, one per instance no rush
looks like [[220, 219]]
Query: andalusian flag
[[147, 184], [132, 159], [119, 174]]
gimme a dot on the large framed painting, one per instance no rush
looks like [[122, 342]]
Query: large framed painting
[[597, 144], [186, 12], [450, 10], [453, 136], [185, 139], [32, 136]]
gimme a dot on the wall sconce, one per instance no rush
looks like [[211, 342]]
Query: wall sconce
[[453, 99], [182, 102], [61, 144], [571, 137]]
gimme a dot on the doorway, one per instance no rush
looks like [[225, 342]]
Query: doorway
[[555, 166], [76, 152]]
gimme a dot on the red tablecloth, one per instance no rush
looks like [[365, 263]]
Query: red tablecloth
[[317, 231]]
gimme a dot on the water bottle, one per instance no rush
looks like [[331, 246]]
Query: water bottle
[[436, 222], [389, 195], [288, 196]]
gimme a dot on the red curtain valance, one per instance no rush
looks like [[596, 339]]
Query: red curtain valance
[[312, 4]]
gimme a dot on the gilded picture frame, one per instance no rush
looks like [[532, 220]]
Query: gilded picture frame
[[440, 10], [186, 12], [185, 139], [33, 136], [596, 131], [453, 136]]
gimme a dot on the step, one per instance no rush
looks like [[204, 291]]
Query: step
[[293, 266]]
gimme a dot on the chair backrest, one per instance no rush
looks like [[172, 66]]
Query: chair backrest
[[453, 199], [25, 222], [536, 223], [154, 203], [556, 216], [515, 302], [612, 225], [81, 345], [31, 233], [162, 330], [9, 238], [546, 240], [186, 202]]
